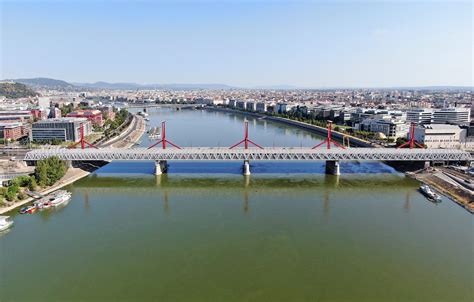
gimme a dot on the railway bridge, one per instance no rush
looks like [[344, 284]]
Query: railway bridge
[[250, 152], [332, 157]]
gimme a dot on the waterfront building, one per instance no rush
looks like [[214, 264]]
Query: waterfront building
[[440, 135], [457, 116], [63, 129], [261, 107], [251, 105], [241, 104], [420, 116], [95, 116]]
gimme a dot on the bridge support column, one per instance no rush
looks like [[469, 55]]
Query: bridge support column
[[246, 168], [332, 167], [427, 164], [161, 167]]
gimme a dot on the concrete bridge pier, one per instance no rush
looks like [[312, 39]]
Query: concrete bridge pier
[[332, 167], [246, 168], [161, 166]]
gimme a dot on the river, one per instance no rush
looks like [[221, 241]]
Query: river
[[204, 232]]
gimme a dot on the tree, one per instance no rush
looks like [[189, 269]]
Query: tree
[[49, 171], [32, 184]]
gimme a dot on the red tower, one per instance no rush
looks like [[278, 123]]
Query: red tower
[[329, 139], [163, 139], [246, 139], [82, 140], [411, 142]]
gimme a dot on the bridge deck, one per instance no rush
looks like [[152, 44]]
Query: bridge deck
[[272, 154]]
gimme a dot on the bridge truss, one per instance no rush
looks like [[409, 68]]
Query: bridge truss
[[269, 154]]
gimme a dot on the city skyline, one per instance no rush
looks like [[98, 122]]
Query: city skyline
[[306, 45]]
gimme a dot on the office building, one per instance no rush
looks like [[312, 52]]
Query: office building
[[63, 129]]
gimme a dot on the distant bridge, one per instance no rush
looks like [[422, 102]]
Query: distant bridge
[[331, 156]]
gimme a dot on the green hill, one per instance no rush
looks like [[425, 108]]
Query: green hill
[[15, 90]]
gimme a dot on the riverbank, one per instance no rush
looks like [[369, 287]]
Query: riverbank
[[354, 141], [130, 136], [435, 179]]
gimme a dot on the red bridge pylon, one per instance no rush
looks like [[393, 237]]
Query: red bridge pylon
[[411, 142], [246, 139], [329, 139], [163, 139], [82, 140]]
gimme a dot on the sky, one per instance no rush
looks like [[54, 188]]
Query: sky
[[317, 44]]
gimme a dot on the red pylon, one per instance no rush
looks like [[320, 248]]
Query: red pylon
[[82, 140], [163, 139], [329, 139], [412, 142], [246, 139]]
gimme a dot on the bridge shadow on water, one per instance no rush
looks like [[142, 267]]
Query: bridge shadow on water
[[256, 167]]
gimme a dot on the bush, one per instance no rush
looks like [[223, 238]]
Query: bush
[[22, 196]]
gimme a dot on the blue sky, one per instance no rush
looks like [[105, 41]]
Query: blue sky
[[243, 43]]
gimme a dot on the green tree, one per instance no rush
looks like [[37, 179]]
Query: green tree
[[32, 184], [49, 171]]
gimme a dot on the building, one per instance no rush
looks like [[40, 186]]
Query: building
[[22, 116], [108, 112], [62, 129], [420, 116], [39, 114], [440, 135], [95, 116], [456, 116], [251, 105], [54, 112], [13, 131], [392, 128], [261, 107], [241, 105]]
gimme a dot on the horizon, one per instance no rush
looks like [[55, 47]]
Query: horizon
[[313, 45]]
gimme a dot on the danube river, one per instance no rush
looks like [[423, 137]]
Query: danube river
[[204, 232]]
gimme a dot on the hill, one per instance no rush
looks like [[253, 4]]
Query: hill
[[134, 86], [44, 83], [15, 90]]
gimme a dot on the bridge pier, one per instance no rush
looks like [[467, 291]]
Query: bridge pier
[[246, 168], [161, 166], [332, 167]]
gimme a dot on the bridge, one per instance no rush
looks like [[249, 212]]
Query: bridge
[[332, 157]]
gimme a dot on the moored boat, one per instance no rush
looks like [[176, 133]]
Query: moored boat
[[5, 223], [429, 193], [59, 197], [29, 209]]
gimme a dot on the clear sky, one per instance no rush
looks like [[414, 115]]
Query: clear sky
[[243, 43]]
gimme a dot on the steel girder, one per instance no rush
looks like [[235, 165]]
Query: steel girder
[[270, 154]]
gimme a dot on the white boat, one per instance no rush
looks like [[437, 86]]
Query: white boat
[[5, 223], [143, 113], [428, 192], [59, 197]]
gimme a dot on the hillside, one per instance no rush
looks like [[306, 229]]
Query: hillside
[[15, 90], [44, 82]]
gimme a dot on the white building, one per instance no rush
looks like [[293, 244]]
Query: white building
[[440, 136], [420, 116], [392, 128], [458, 116]]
